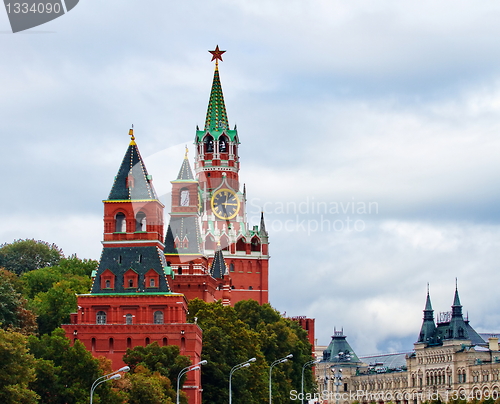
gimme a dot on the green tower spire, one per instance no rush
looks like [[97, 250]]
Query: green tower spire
[[216, 113]]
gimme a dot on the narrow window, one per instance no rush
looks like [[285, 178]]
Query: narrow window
[[128, 318], [108, 283], [101, 317], [158, 317], [140, 222], [111, 345], [130, 283], [129, 343], [165, 341], [93, 344], [147, 341], [152, 283], [120, 223]]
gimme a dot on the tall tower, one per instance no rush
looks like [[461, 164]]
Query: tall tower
[[222, 208], [131, 302]]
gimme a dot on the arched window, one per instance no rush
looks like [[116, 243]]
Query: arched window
[[158, 317], [240, 244], [140, 221], [179, 271], [209, 144], [128, 318], [231, 267], [210, 243], [255, 244], [130, 283], [93, 345], [184, 197], [129, 342], [223, 144], [120, 223], [147, 341], [108, 283], [165, 341], [101, 317], [152, 283]]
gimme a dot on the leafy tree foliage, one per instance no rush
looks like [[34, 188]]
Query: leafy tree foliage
[[64, 373], [148, 387], [17, 370], [52, 290], [234, 335], [27, 255], [152, 361], [14, 313]]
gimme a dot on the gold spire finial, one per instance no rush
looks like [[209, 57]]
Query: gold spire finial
[[132, 137], [187, 151], [217, 55]]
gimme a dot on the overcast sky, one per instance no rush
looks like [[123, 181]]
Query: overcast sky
[[369, 135]]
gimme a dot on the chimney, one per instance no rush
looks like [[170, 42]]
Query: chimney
[[493, 343]]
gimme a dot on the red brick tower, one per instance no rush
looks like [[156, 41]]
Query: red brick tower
[[131, 302], [220, 222]]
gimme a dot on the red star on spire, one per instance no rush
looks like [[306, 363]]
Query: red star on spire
[[217, 54]]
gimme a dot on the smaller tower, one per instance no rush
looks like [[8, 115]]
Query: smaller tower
[[428, 330]]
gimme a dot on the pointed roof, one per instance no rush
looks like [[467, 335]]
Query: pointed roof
[[428, 330], [132, 181], [262, 230], [183, 228], [141, 260], [339, 350], [216, 113], [218, 268], [185, 173], [216, 121]]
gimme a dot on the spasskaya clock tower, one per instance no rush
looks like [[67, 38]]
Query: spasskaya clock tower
[[221, 226]]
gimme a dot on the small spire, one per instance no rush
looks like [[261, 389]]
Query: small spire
[[186, 154], [132, 137]]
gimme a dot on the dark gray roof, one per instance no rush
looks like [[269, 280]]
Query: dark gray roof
[[183, 228], [218, 268], [140, 259], [132, 181], [185, 172]]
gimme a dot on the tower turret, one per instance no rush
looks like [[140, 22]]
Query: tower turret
[[428, 330]]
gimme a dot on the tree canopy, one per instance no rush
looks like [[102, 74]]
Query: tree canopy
[[232, 335], [27, 255]]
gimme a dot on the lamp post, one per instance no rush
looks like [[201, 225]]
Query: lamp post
[[184, 371], [110, 376], [276, 362], [337, 381], [303, 368], [234, 369]]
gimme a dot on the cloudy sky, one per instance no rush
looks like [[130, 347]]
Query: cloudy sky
[[369, 135]]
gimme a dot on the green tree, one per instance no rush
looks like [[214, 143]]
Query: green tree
[[27, 255], [148, 387], [233, 335], [74, 269], [17, 370], [165, 360], [65, 373], [14, 314]]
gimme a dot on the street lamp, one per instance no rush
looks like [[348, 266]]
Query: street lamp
[[234, 369], [112, 376], [184, 371], [276, 362], [314, 361], [337, 377]]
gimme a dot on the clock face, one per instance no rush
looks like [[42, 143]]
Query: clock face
[[225, 204]]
